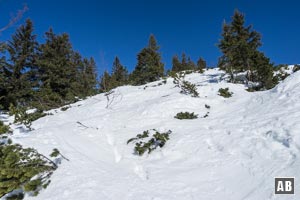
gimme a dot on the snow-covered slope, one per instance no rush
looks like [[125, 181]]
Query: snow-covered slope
[[234, 153]]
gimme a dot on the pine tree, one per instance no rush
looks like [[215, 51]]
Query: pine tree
[[190, 64], [263, 72], [4, 74], [105, 82], [176, 65], [90, 76], [149, 67], [184, 64], [22, 65], [58, 72], [239, 45], [201, 64], [119, 73]]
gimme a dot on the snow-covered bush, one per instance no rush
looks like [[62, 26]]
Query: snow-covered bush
[[23, 169], [296, 68], [186, 115], [185, 86], [224, 92], [4, 128], [22, 116], [143, 145]]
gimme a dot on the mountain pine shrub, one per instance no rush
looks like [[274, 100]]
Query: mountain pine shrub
[[22, 117], [296, 68], [224, 92], [23, 168], [4, 128], [186, 115], [186, 87], [143, 145]]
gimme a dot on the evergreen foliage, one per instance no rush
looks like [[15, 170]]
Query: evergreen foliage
[[4, 128], [224, 92], [185, 86], [21, 69], [23, 168], [149, 67], [58, 74], [281, 74], [185, 64], [23, 117], [186, 115], [239, 45], [142, 145], [201, 65], [118, 77], [296, 68], [4, 77], [176, 64], [105, 82], [46, 75], [119, 73], [86, 76]]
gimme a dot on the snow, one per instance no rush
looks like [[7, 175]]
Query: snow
[[234, 153]]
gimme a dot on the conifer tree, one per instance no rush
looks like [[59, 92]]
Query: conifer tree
[[58, 73], [176, 65], [184, 64], [263, 71], [86, 76], [4, 74], [105, 82], [149, 67], [201, 64], [90, 76], [22, 65], [190, 64], [119, 73], [239, 45]]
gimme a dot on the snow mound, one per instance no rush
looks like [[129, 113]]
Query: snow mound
[[234, 153]]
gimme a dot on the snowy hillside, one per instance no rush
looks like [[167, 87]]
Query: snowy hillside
[[234, 153]]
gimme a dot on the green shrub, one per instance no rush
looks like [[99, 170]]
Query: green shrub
[[142, 145], [18, 196], [23, 168], [186, 115], [224, 92], [22, 117], [280, 76], [185, 86], [296, 68], [4, 128]]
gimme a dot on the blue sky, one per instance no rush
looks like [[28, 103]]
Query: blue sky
[[105, 29]]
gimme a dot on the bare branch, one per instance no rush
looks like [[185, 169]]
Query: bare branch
[[16, 18]]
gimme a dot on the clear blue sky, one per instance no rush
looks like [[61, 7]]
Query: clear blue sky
[[105, 29]]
